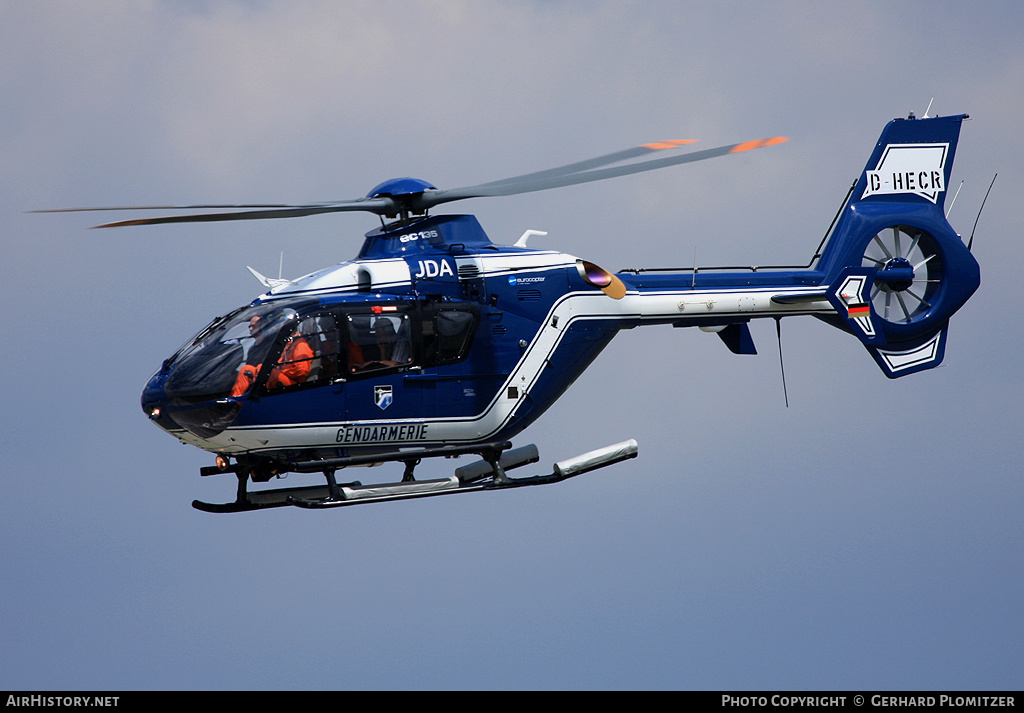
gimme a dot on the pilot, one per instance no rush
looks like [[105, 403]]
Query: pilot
[[247, 374], [255, 327]]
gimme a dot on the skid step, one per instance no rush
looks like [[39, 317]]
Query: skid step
[[383, 491], [260, 499]]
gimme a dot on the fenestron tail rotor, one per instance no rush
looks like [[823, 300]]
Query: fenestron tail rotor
[[909, 273], [405, 197]]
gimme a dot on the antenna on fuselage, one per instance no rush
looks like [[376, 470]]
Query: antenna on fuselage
[[782, 365]]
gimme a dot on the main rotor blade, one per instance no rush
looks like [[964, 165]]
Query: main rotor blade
[[378, 205], [597, 162], [543, 180], [257, 211], [164, 207], [594, 169]]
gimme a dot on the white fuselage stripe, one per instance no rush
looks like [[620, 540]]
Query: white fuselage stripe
[[660, 306]]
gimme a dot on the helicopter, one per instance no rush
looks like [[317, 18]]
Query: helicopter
[[435, 342]]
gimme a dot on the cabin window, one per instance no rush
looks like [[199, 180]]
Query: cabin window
[[389, 337], [379, 340]]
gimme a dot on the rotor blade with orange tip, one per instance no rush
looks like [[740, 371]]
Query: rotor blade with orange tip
[[418, 202], [748, 145], [545, 180], [592, 163]]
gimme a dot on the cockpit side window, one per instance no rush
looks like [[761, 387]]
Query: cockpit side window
[[308, 355]]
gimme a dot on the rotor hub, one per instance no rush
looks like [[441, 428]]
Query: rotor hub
[[400, 187], [897, 274]]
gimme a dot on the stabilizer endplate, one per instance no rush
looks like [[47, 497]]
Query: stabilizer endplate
[[850, 294], [912, 356]]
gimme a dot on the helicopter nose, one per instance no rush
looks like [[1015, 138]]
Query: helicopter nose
[[154, 402], [204, 419]]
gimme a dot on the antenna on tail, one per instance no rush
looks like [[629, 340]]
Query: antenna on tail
[[971, 241]]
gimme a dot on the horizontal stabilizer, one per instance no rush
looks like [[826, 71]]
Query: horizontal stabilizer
[[794, 298]]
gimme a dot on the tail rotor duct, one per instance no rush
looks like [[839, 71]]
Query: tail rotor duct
[[910, 273]]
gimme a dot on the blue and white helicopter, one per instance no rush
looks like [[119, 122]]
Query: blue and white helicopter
[[436, 342]]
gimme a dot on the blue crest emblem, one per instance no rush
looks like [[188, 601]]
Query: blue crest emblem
[[382, 396]]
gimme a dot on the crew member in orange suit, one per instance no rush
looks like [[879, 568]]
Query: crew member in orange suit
[[292, 368], [245, 379], [294, 365]]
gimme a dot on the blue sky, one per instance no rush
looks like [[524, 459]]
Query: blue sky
[[866, 537]]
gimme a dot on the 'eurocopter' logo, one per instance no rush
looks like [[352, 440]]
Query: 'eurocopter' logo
[[382, 396], [909, 168], [514, 280]]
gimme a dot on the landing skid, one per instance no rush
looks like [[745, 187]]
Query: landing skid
[[485, 475]]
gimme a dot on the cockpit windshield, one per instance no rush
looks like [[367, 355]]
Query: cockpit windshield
[[208, 366]]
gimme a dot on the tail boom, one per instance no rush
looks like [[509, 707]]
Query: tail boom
[[892, 273]]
